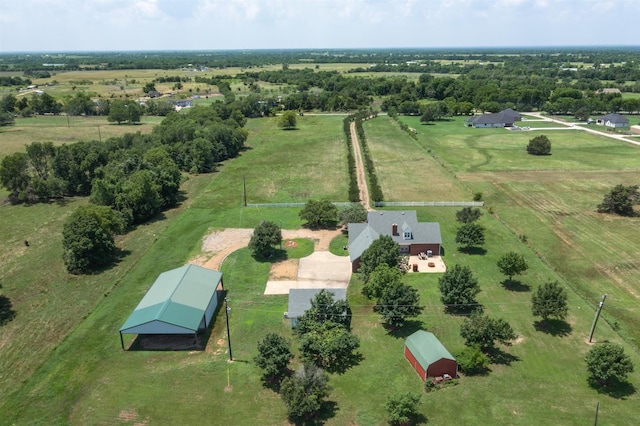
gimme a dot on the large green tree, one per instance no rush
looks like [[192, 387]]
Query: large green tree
[[287, 120], [539, 145], [274, 354], [329, 345], [324, 309], [355, 213], [468, 214], [484, 331], [607, 363], [470, 235], [402, 408], [88, 238], [620, 200], [458, 288], [550, 300], [398, 303], [266, 235], [319, 214], [304, 392], [512, 263], [381, 251], [124, 111], [381, 279]]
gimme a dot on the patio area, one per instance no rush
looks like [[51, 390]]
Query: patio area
[[423, 264]]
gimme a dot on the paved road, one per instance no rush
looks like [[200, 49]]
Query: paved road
[[576, 126]]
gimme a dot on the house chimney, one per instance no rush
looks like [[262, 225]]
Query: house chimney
[[394, 229]]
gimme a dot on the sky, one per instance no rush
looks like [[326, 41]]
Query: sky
[[126, 25]]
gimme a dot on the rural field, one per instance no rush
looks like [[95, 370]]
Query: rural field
[[61, 361]]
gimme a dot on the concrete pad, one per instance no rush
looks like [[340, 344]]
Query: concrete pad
[[319, 270], [283, 287], [324, 266]]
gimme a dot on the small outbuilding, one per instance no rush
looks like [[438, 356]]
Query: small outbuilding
[[180, 301], [428, 356]]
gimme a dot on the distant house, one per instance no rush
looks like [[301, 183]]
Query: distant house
[[300, 300], [504, 118], [428, 356], [154, 94], [608, 91], [613, 120], [182, 103], [412, 236]]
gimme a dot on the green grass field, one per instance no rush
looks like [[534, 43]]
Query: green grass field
[[63, 129], [60, 358]]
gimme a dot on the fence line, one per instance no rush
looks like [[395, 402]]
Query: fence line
[[281, 205], [429, 204]]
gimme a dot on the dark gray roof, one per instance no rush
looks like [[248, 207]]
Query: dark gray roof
[[614, 118], [503, 117], [300, 299], [361, 235]]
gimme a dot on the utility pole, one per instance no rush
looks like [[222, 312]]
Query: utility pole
[[226, 310], [595, 320], [595, 422], [244, 191]]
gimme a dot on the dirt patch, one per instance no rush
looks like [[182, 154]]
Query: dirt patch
[[285, 270], [290, 244], [127, 415]]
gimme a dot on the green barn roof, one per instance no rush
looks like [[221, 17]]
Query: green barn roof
[[426, 348], [176, 302]]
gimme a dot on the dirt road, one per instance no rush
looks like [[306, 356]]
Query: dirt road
[[362, 179]]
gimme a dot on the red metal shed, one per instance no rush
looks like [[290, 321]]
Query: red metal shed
[[428, 356]]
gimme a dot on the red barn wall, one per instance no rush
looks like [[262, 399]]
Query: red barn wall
[[414, 363], [442, 366]]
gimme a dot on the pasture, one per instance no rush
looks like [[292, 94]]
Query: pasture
[[60, 129], [79, 375]]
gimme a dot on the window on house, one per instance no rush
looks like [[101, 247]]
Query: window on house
[[407, 235]]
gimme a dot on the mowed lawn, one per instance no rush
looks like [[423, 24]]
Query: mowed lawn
[[405, 170], [552, 201], [87, 379]]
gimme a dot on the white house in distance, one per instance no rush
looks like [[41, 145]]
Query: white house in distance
[[504, 118], [613, 120]]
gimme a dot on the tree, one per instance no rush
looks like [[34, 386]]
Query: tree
[[512, 263], [539, 145], [304, 392], [319, 214], [479, 329], [88, 238], [470, 235], [80, 104], [122, 111], [381, 279], [287, 120], [264, 237], [428, 115], [139, 197], [607, 362], [620, 200], [329, 345], [381, 251], [458, 288], [398, 303], [468, 214], [355, 213], [14, 173], [149, 87], [402, 407], [472, 360], [324, 308], [274, 354], [549, 300], [6, 119]]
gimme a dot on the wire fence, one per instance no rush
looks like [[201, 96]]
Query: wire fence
[[429, 203], [281, 205]]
